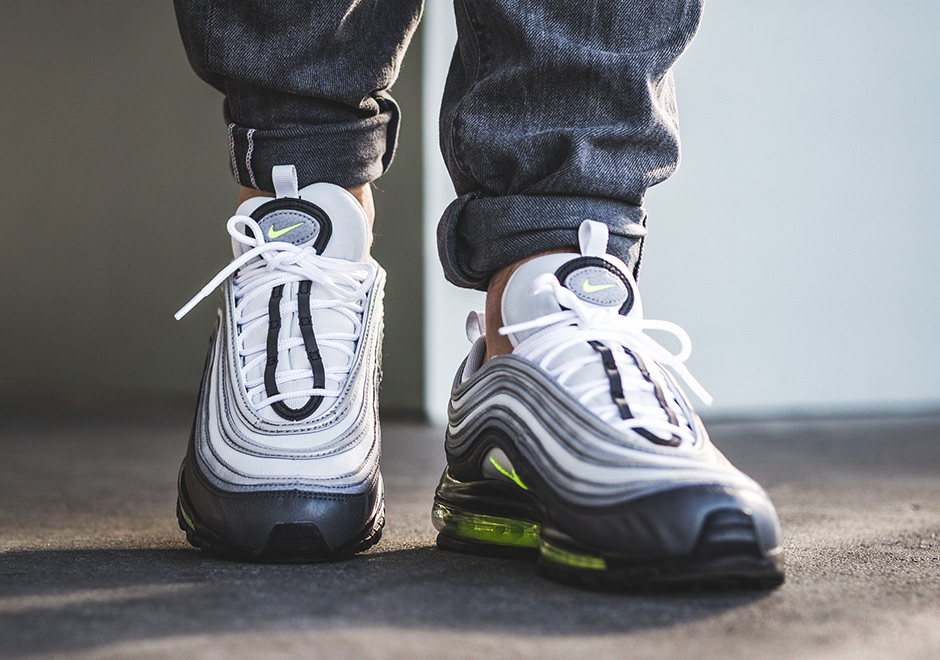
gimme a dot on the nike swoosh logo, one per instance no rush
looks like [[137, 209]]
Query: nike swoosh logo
[[280, 232], [591, 288]]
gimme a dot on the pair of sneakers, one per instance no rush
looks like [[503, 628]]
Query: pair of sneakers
[[578, 449]]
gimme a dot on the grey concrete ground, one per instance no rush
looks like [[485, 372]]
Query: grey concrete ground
[[92, 564]]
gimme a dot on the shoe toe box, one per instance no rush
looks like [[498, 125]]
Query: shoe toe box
[[678, 522], [280, 522]]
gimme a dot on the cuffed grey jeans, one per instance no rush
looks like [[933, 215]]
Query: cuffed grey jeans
[[554, 111]]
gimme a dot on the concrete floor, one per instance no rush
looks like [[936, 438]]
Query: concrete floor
[[92, 564]]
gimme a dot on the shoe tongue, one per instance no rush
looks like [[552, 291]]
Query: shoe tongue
[[321, 215], [597, 279], [599, 283]]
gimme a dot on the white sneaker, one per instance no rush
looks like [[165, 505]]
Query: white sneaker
[[580, 449], [283, 461]]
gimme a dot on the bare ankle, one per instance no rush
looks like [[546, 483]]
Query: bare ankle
[[363, 193], [244, 194]]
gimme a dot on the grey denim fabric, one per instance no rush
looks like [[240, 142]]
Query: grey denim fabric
[[554, 112], [305, 82]]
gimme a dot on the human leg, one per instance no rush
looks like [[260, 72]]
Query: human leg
[[554, 113], [283, 460], [304, 83], [579, 445]]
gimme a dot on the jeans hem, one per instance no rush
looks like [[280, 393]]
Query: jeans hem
[[479, 235], [346, 154]]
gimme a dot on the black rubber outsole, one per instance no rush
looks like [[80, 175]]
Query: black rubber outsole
[[287, 543], [673, 576], [712, 566]]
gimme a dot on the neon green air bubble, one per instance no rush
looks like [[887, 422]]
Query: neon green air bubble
[[481, 528], [179, 482], [186, 518], [559, 556]]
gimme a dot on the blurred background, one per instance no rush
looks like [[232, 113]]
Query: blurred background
[[798, 243]]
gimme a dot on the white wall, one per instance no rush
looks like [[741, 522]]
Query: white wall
[[446, 306], [798, 244]]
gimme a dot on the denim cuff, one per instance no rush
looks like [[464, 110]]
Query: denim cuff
[[478, 235], [348, 153]]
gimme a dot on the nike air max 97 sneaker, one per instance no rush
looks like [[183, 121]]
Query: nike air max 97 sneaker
[[283, 460], [580, 449]]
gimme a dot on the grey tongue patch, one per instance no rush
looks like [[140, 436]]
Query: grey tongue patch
[[293, 220], [597, 282]]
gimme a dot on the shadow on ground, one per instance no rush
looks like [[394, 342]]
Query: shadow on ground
[[117, 596], [92, 564]]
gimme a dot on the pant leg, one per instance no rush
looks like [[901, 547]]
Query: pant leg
[[304, 82], [555, 112]]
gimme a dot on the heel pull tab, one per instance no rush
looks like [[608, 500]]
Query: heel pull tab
[[285, 181], [592, 237]]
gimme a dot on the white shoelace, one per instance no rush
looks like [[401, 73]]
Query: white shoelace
[[269, 264], [579, 323]]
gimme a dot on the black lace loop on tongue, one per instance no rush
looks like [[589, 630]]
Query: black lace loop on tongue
[[310, 345], [613, 375], [617, 395]]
